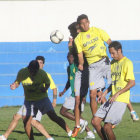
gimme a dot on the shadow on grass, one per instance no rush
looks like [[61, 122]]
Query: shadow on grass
[[35, 134]]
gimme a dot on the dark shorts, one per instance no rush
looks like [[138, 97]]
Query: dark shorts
[[84, 82], [43, 105]]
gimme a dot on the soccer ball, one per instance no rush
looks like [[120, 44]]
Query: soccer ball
[[56, 36]]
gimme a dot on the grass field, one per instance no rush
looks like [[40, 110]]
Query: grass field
[[126, 130]]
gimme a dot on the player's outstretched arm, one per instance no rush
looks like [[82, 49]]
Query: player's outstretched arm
[[65, 89], [14, 85]]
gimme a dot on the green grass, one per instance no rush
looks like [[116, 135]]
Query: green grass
[[126, 130]]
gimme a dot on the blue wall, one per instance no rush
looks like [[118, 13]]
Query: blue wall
[[16, 55]]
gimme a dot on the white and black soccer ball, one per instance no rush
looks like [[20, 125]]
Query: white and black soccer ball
[[56, 36]]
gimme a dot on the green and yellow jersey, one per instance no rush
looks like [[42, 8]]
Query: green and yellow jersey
[[32, 86], [71, 70], [121, 73], [91, 43]]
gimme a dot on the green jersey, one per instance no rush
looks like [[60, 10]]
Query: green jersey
[[33, 85], [72, 69]]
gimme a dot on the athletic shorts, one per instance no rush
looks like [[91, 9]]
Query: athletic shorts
[[97, 72], [44, 105], [70, 103], [111, 112], [81, 82], [22, 111]]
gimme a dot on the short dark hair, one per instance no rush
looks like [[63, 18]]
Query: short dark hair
[[41, 58], [33, 67], [83, 16], [72, 26], [73, 29], [116, 45]]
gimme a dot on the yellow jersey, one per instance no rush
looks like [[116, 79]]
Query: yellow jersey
[[52, 84], [121, 73], [91, 43]]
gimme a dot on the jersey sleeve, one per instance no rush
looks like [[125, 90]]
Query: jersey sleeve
[[19, 77], [104, 36], [129, 71], [78, 44], [52, 84]]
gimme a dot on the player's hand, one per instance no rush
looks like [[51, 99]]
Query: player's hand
[[80, 67], [99, 99], [113, 98], [61, 94], [13, 86], [54, 104]]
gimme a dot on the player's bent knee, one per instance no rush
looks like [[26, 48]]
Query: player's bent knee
[[93, 96], [62, 112], [17, 117], [33, 122], [95, 121], [107, 126], [77, 102]]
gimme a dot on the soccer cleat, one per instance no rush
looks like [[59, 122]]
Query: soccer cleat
[[75, 131], [113, 126], [90, 137], [2, 137], [83, 126], [72, 138], [134, 116]]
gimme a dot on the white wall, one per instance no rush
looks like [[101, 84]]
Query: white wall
[[34, 20]]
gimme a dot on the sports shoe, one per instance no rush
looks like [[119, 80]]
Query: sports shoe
[[134, 116], [113, 126], [51, 138], [72, 138], [75, 131], [83, 126], [94, 131], [2, 137], [90, 137]]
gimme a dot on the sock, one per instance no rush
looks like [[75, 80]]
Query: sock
[[78, 126], [69, 133], [132, 111], [3, 137], [50, 138], [82, 121]]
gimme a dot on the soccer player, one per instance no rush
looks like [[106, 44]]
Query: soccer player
[[82, 83], [90, 43], [111, 112], [70, 101], [33, 80], [22, 111]]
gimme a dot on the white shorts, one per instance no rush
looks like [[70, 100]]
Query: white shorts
[[97, 72], [70, 103], [111, 112], [22, 111]]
